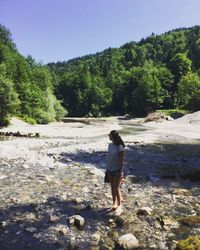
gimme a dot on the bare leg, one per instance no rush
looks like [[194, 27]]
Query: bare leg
[[112, 182], [117, 192]]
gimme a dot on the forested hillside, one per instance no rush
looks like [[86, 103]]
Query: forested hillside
[[159, 72], [26, 88]]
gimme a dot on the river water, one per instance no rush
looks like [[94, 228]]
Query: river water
[[61, 177]]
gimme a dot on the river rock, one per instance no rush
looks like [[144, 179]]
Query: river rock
[[96, 238], [3, 224], [53, 218], [128, 242], [181, 191], [144, 211], [191, 220], [62, 229], [31, 229], [77, 221], [167, 222], [30, 216], [73, 244]]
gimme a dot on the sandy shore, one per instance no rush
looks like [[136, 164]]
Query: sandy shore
[[77, 137], [187, 128]]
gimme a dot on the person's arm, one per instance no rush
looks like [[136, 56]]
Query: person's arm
[[121, 163]]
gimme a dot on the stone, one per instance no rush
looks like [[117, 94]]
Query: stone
[[121, 221], [30, 216], [144, 211], [31, 229], [167, 222], [63, 230], [119, 211], [3, 224], [26, 166], [73, 244], [128, 242], [3, 177], [182, 191], [79, 221], [53, 218], [96, 238], [191, 220], [36, 235], [78, 200], [37, 134], [76, 220], [71, 220]]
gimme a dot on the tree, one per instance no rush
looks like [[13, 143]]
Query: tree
[[193, 40], [166, 80], [124, 74], [9, 101], [6, 38], [180, 66], [189, 92], [145, 91]]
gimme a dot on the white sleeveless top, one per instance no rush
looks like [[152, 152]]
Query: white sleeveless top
[[113, 156]]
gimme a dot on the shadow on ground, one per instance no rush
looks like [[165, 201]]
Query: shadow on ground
[[15, 224], [157, 163]]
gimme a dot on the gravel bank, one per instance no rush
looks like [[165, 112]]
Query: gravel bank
[[46, 181]]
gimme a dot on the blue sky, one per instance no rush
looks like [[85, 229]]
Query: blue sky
[[59, 30]]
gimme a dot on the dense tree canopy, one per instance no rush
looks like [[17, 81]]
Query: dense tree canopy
[[137, 77], [26, 88], [158, 72], [189, 91]]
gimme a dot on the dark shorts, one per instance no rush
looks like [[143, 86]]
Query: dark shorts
[[114, 173]]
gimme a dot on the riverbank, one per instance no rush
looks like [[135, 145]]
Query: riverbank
[[44, 181]]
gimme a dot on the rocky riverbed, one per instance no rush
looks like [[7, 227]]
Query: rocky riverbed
[[53, 194]]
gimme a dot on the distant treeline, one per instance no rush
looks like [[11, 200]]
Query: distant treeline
[[159, 72]]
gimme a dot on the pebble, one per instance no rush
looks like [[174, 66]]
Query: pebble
[[45, 182]]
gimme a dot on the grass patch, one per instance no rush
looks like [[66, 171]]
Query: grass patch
[[174, 113], [28, 119]]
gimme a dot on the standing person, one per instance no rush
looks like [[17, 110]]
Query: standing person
[[115, 167]]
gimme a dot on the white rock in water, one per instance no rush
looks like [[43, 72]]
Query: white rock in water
[[128, 242]]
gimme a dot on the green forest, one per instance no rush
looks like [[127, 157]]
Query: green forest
[[158, 72]]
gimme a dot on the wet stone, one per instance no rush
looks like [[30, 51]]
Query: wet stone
[[44, 183]]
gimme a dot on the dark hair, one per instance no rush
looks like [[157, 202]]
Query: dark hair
[[116, 138]]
